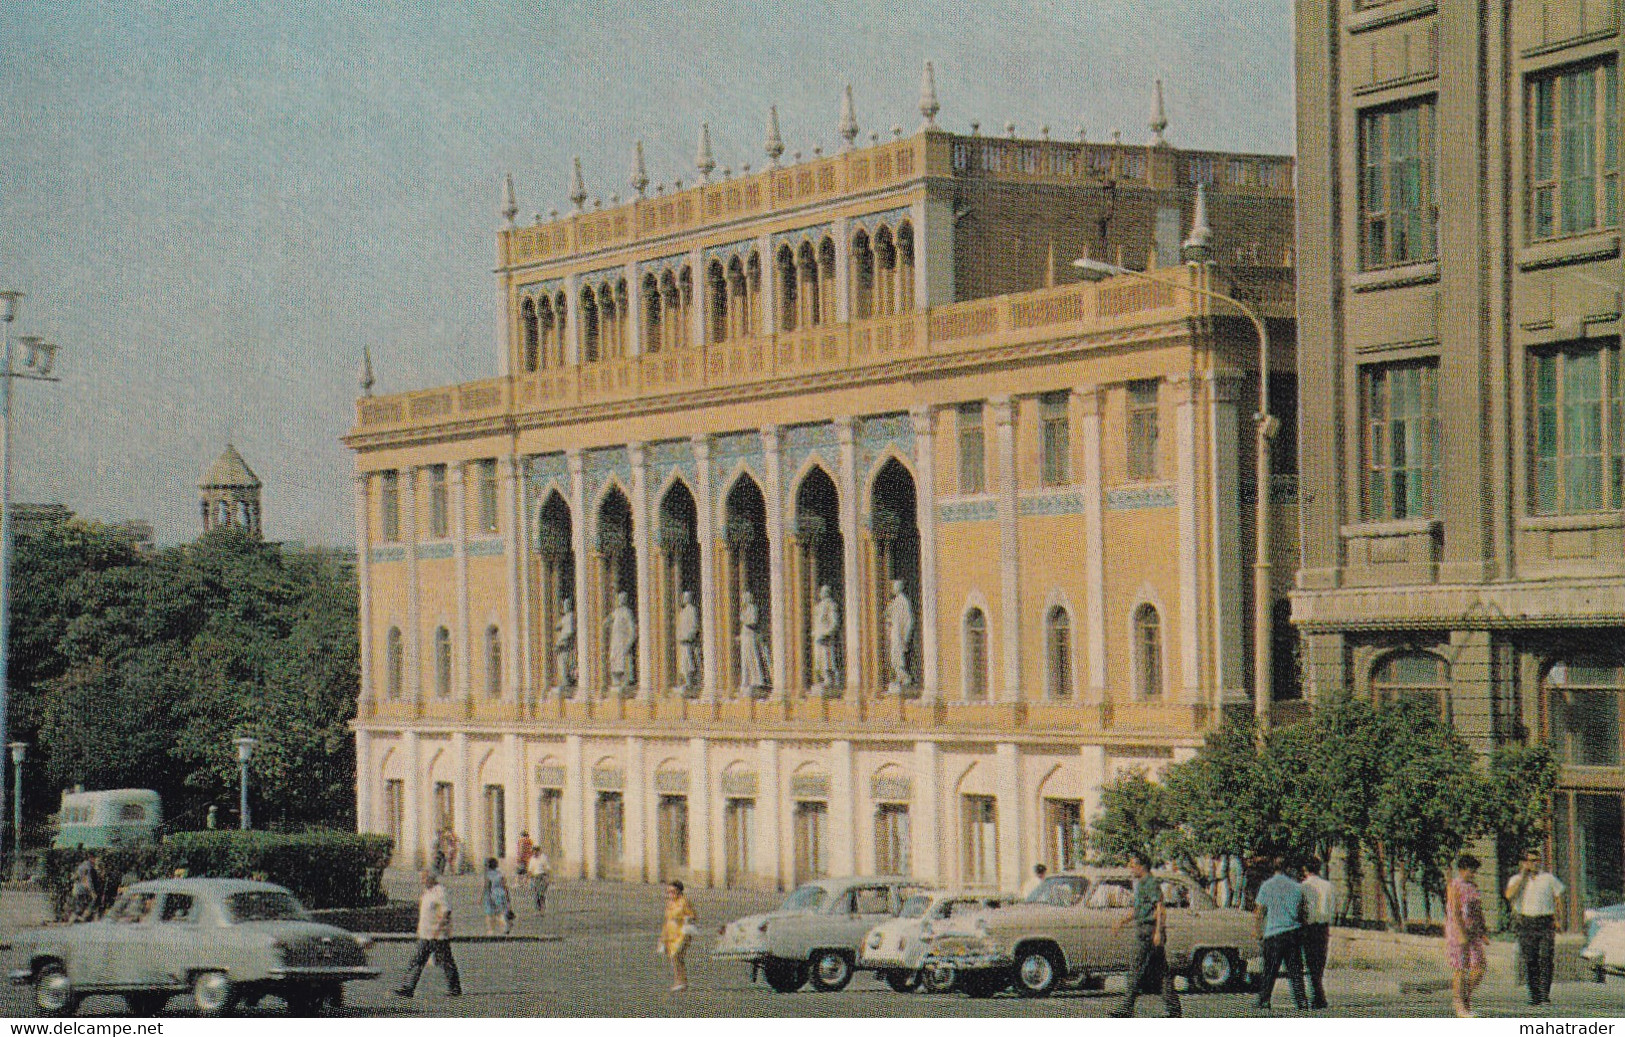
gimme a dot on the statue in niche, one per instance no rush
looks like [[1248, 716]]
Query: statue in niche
[[899, 632], [564, 645], [689, 672], [753, 663], [623, 640], [826, 630]]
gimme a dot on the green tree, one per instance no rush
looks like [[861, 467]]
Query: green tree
[[1136, 814]]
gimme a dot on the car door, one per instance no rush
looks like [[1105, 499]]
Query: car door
[[176, 938], [1107, 948], [130, 961], [868, 906]]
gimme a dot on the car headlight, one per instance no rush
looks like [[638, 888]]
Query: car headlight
[[874, 939]]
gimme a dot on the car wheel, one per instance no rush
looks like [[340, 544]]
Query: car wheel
[[785, 976], [1038, 972], [146, 1005], [984, 984], [213, 994], [938, 978], [902, 980], [1214, 969], [305, 1003], [53, 991], [831, 970]]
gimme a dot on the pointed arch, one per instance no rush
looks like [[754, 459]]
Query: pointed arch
[[529, 334]]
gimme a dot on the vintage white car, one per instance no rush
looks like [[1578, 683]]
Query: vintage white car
[[895, 950], [816, 933], [1605, 951], [224, 940], [1036, 946]]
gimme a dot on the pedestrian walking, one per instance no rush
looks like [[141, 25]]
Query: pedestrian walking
[[1149, 916], [434, 940], [541, 876], [85, 898], [677, 932], [521, 856], [1536, 897], [495, 900], [1465, 934], [1280, 914], [1319, 909]]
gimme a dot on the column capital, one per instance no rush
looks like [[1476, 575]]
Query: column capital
[[1003, 407], [843, 428], [702, 446], [922, 414], [363, 479], [456, 473], [770, 438], [638, 452], [575, 460], [1089, 398]]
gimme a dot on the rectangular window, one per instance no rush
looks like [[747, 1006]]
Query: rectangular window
[[395, 811], [893, 842], [1142, 430], [1401, 449], [1397, 201], [1063, 833], [980, 816], [389, 505], [811, 837], [738, 833], [437, 502], [972, 450], [445, 812], [1577, 430], [1056, 432], [496, 821], [1574, 151], [550, 825], [671, 821], [487, 477]]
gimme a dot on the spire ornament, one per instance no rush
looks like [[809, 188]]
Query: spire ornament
[[366, 371], [640, 177], [704, 161], [1159, 117], [578, 189], [510, 208], [774, 145], [1198, 246], [928, 98], [848, 126]]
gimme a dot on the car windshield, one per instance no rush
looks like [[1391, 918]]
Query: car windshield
[[1059, 890], [264, 906], [915, 907], [807, 898]]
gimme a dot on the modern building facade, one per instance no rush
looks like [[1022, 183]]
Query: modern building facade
[[1462, 426], [819, 522]]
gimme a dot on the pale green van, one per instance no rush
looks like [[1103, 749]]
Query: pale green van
[[110, 817]]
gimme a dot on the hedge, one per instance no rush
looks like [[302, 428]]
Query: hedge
[[324, 869]]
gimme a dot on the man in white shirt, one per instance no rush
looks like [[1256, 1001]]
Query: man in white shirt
[[1319, 908], [434, 939], [1536, 897], [1039, 871]]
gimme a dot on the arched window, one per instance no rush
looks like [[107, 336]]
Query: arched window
[[1148, 652], [753, 295], [560, 306], [651, 314], [826, 282], [885, 274], [685, 289], [863, 277], [905, 268], [393, 657], [549, 334], [1058, 652], [608, 346], [442, 662], [1584, 699], [527, 318], [787, 290], [493, 662], [975, 656], [716, 291], [1413, 675], [589, 325]]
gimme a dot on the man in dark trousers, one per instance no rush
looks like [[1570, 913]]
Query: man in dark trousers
[[1280, 914], [1536, 897], [434, 939], [1320, 907], [1149, 916]]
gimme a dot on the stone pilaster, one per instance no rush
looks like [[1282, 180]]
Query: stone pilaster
[[1190, 654], [644, 545], [925, 514], [1004, 449], [514, 558], [779, 519], [462, 673], [712, 622], [1094, 547], [852, 576]]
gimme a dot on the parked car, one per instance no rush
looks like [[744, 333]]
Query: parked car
[[895, 949], [816, 933], [108, 817], [224, 940], [1605, 941], [1036, 946]]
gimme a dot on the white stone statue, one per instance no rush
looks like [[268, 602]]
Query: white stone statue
[[826, 628], [899, 633], [564, 645], [623, 639], [753, 663], [689, 671]]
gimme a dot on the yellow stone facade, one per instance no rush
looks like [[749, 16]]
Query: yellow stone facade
[[871, 367]]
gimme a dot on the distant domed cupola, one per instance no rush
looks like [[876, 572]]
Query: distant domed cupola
[[230, 494]]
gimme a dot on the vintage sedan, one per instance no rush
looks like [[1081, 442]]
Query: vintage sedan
[[895, 949], [816, 933], [1036, 946], [223, 940]]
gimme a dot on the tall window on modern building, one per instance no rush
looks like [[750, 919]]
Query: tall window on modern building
[[442, 662], [1148, 652], [1398, 205], [980, 825], [1058, 652], [394, 657], [1142, 429], [493, 662], [972, 449], [389, 505], [975, 656], [1401, 449], [486, 475], [437, 501], [1577, 430], [1413, 676], [1584, 697], [1574, 150], [1055, 432]]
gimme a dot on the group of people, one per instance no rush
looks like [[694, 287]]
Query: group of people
[[1536, 898]]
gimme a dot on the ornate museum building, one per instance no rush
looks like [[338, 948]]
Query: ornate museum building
[[821, 520]]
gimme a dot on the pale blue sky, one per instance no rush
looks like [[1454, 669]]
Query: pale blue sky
[[213, 207]]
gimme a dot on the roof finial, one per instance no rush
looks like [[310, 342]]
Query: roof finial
[[774, 145], [1196, 246], [704, 161], [1159, 117], [510, 208], [366, 370], [640, 177], [928, 98], [578, 190], [848, 126]]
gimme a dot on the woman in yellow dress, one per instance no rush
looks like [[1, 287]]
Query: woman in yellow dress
[[676, 933]]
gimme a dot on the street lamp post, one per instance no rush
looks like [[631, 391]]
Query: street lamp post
[[245, 749], [19, 752], [1266, 426]]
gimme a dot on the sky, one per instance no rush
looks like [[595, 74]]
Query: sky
[[213, 207]]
